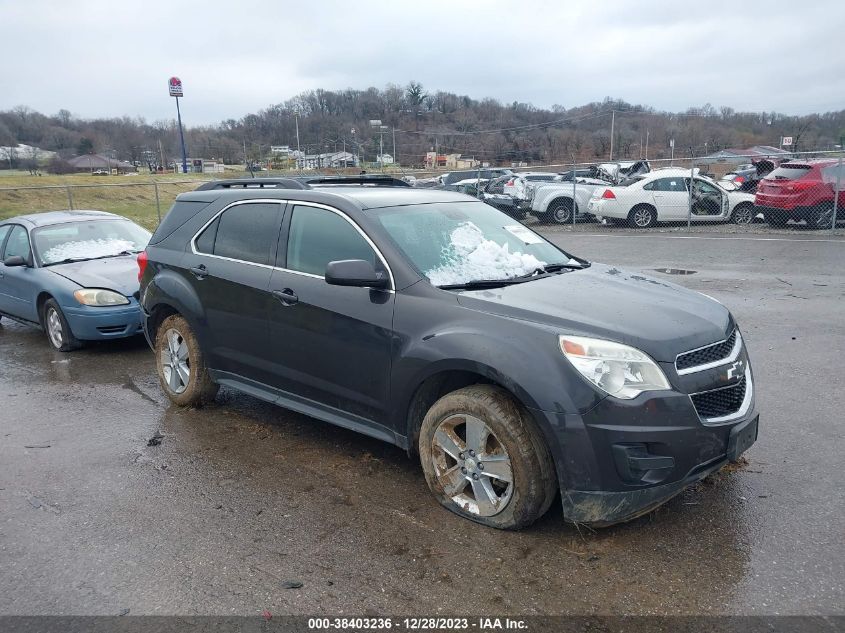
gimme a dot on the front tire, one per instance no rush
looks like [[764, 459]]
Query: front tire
[[180, 364], [484, 459], [743, 214], [58, 330]]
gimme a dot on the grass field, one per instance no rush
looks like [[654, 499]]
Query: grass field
[[129, 196]]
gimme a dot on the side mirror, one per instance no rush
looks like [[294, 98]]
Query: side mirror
[[355, 272], [14, 260]]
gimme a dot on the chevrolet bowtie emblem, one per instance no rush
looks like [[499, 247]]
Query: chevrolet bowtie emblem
[[736, 369]]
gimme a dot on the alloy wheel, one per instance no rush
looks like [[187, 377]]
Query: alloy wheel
[[642, 218], [176, 362], [472, 465], [743, 215]]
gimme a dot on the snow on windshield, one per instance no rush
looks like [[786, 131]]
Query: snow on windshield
[[87, 249], [469, 256]]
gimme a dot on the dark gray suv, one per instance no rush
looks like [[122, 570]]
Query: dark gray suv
[[428, 319]]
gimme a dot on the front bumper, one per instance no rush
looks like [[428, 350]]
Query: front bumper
[[622, 459], [90, 323]]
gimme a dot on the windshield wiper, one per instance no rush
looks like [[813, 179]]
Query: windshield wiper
[[478, 284], [67, 260]]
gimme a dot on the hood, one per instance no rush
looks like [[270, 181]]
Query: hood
[[658, 317], [113, 273]]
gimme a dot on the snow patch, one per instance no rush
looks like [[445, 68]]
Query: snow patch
[[88, 249], [469, 256]]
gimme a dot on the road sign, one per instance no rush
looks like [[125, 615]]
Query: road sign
[[175, 86], [787, 141]]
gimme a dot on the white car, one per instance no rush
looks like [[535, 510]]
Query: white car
[[663, 196], [517, 185]]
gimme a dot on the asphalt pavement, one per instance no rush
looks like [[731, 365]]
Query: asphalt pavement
[[113, 500]]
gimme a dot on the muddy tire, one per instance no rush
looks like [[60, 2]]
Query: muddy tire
[[180, 364], [485, 460], [58, 331]]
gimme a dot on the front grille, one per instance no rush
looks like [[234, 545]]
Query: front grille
[[720, 402], [709, 354]]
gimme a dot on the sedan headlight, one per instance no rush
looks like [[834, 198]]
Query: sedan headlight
[[622, 371], [99, 297]]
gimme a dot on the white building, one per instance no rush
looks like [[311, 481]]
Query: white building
[[335, 160]]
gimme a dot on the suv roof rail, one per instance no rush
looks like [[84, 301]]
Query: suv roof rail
[[364, 179], [303, 182], [253, 183]]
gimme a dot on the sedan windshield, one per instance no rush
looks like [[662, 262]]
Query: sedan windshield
[[89, 239], [459, 242]]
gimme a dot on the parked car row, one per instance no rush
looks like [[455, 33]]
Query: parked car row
[[425, 319]]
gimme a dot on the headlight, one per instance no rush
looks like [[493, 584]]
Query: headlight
[[100, 297], [622, 371]]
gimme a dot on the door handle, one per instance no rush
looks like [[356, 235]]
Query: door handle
[[287, 296], [200, 272]]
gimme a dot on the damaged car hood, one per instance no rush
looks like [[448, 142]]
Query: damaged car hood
[[112, 273], [661, 318]]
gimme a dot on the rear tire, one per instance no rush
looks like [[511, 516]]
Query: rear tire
[[180, 364], [561, 212], [642, 216], [821, 217], [474, 432], [776, 219], [59, 334]]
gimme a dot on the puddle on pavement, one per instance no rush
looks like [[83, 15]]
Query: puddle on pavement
[[675, 271]]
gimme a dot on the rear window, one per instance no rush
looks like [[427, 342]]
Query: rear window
[[180, 212], [789, 172]]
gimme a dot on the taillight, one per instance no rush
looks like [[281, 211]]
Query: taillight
[[799, 185], [509, 183], [739, 179], [142, 264], [608, 195]]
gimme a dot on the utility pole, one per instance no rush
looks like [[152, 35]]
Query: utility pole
[[395, 160], [646, 143], [161, 152], [182, 139], [298, 153], [612, 125]]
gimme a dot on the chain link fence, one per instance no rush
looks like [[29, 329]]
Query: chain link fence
[[145, 203], [742, 193]]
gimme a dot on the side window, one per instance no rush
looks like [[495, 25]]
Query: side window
[[318, 236], [248, 232], [18, 243], [649, 186], [4, 231], [205, 241], [670, 184], [705, 188]]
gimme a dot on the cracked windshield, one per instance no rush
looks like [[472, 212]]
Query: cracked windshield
[[455, 243]]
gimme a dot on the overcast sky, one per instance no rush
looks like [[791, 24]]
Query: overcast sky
[[106, 59]]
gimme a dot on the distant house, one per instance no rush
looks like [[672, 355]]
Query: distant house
[[450, 161], [97, 162]]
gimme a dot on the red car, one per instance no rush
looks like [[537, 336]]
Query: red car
[[801, 190]]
